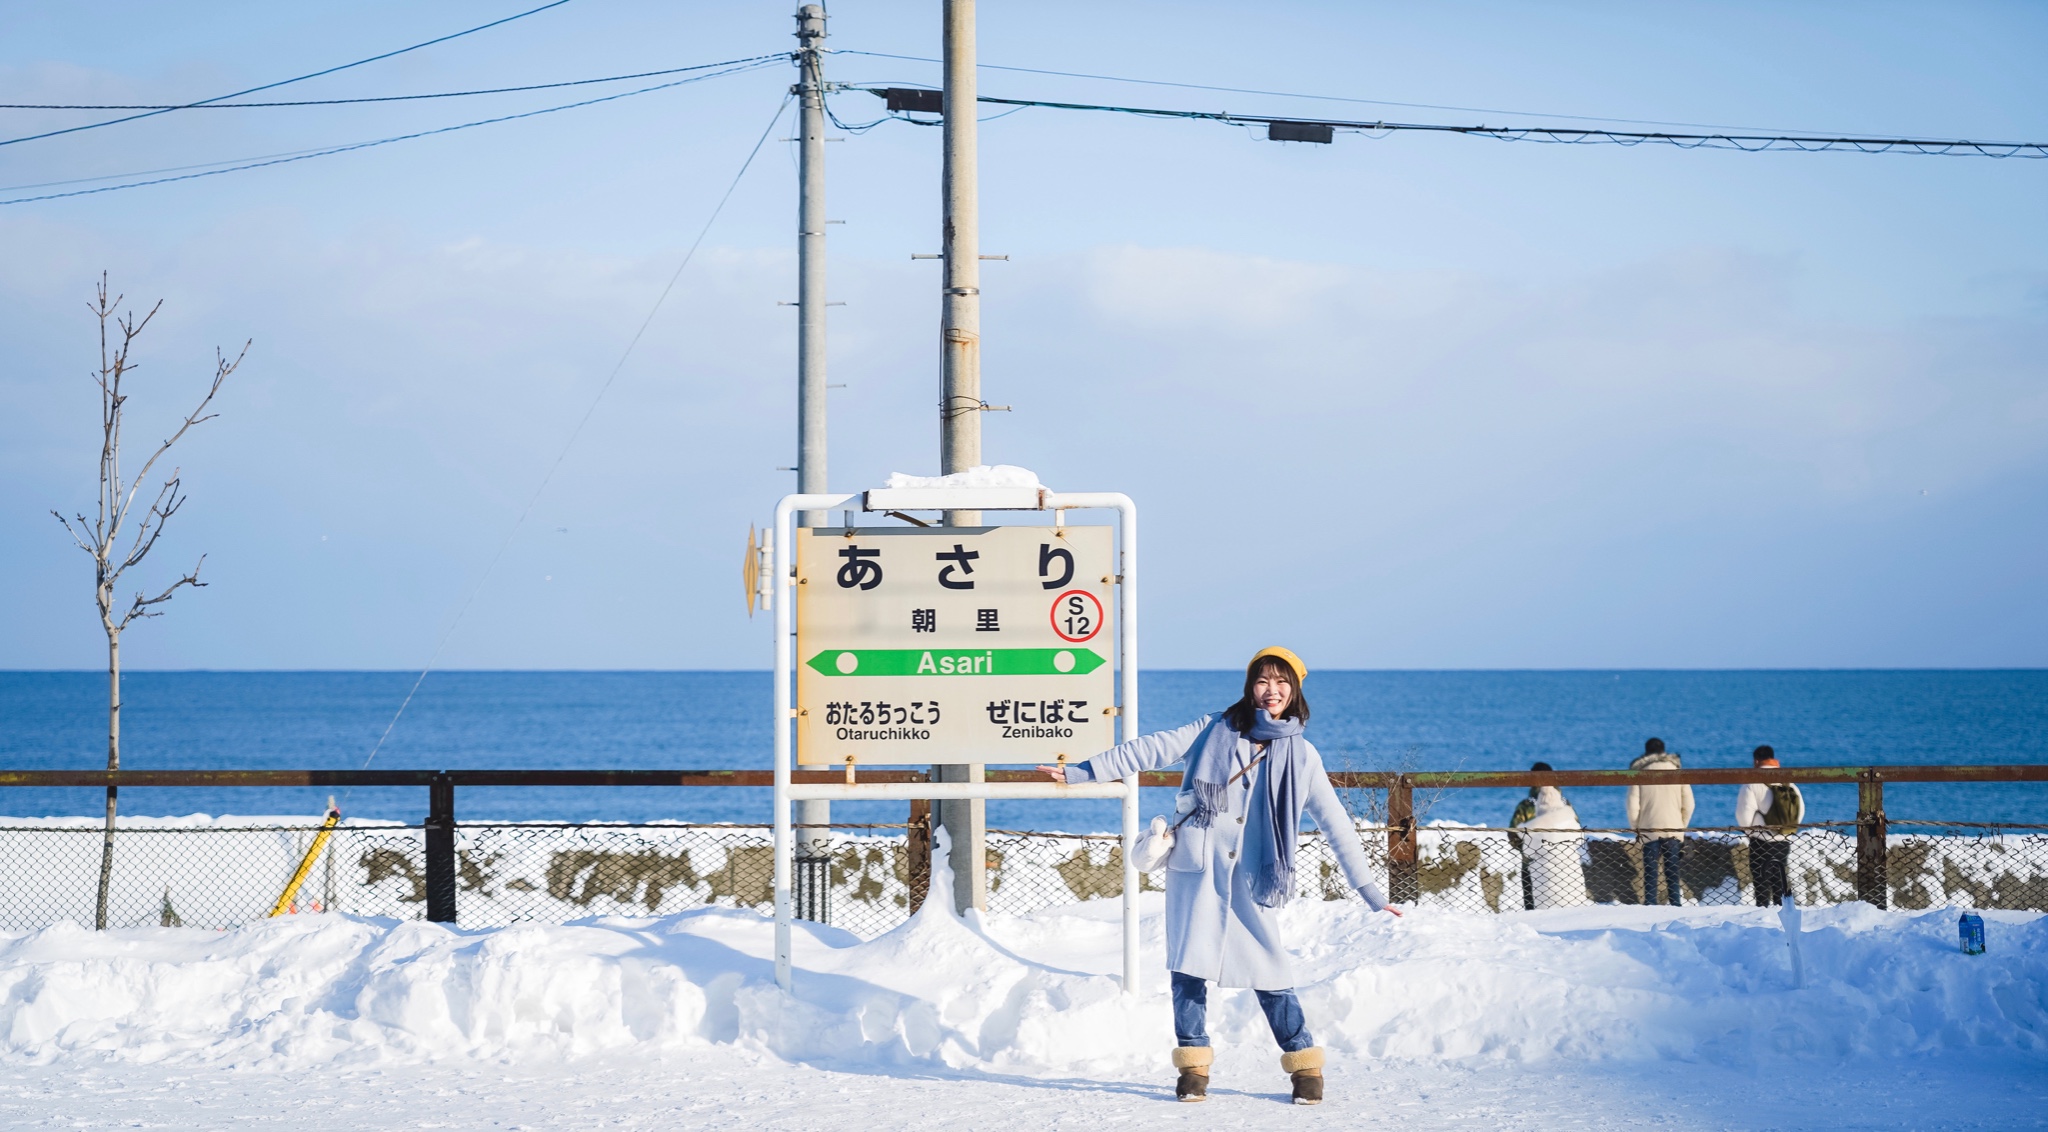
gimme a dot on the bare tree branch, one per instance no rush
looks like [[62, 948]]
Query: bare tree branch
[[199, 415], [141, 606], [75, 535], [146, 533], [118, 493]]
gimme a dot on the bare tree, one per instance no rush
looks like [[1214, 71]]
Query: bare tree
[[102, 537], [1368, 805]]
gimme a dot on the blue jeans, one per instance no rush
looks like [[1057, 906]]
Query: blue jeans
[[1661, 852], [1191, 1014]]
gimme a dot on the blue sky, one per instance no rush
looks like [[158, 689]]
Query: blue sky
[[1417, 401]]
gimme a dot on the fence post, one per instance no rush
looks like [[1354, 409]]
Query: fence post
[[813, 886], [918, 857], [1401, 886], [440, 830], [1872, 884]]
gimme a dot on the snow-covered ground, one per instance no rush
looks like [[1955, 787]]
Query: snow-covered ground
[[728, 1089], [1587, 1017]]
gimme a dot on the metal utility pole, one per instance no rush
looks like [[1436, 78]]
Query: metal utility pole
[[810, 342], [960, 389]]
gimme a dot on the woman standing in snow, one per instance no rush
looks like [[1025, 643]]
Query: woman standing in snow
[[1250, 776]]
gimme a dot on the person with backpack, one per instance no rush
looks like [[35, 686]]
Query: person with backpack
[[1524, 810], [1772, 812], [1251, 776], [1659, 815]]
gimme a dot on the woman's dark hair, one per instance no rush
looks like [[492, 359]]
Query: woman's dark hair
[[1242, 714]]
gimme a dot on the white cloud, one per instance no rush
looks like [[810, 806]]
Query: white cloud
[[1392, 468]]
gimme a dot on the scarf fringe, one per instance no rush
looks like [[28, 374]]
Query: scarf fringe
[[1273, 889], [1210, 799]]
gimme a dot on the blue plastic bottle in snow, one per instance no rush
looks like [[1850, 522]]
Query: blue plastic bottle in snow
[[1971, 928]]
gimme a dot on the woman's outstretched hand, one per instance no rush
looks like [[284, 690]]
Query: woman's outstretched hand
[[1056, 773]]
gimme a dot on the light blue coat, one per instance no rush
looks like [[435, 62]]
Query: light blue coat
[[1214, 929]]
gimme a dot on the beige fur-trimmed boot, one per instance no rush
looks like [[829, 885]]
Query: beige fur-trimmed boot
[[1193, 1063], [1306, 1067]]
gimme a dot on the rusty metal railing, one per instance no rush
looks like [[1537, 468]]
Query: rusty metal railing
[[1376, 780]]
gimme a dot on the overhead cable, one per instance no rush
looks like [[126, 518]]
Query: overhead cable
[[385, 97], [286, 159], [1317, 97], [1320, 129], [284, 82], [165, 169]]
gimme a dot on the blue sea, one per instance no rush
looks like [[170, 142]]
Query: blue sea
[[706, 720]]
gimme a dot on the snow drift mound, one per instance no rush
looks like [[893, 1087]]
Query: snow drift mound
[[1027, 995]]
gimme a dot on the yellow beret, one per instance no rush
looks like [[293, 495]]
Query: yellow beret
[[1287, 655]]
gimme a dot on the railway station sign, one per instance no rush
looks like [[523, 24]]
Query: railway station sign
[[954, 644]]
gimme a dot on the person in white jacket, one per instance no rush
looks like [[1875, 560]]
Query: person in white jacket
[[1551, 842], [1771, 811], [1659, 814]]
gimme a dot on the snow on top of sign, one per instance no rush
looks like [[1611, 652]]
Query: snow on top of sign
[[984, 475]]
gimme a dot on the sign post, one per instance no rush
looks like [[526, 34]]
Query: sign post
[[953, 644]]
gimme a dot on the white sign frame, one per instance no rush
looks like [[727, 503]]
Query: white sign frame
[[997, 623], [783, 577]]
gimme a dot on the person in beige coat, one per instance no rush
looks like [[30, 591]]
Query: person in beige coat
[[1659, 815]]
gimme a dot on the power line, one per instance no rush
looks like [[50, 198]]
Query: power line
[[381, 98], [1318, 97], [316, 151], [588, 412], [286, 159], [1321, 129], [283, 82], [166, 169]]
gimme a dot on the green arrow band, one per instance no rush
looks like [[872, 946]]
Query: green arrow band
[[955, 662]]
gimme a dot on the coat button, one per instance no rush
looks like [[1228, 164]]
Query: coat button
[[1240, 821], [1232, 855]]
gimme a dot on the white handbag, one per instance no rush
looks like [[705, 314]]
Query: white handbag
[[1154, 845]]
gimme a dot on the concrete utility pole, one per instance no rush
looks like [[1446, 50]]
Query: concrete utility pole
[[960, 393], [810, 334]]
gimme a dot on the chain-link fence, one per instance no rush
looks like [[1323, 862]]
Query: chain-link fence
[[216, 877], [1475, 869], [1929, 864], [174, 876]]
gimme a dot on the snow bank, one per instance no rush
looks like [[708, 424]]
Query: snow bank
[[981, 475], [1026, 994]]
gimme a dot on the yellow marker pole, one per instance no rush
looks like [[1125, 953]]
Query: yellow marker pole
[[284, 899]]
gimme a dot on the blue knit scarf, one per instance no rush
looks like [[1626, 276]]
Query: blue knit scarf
[[1269, 859]]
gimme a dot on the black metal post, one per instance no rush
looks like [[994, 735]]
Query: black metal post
[[814, 888], [440, 828]]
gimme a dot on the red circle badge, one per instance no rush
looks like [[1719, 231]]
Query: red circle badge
[[1077, 616]]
